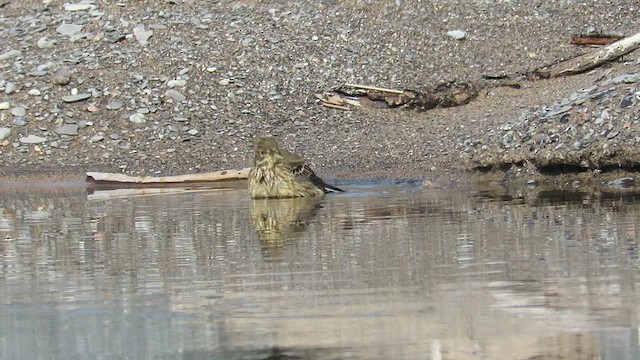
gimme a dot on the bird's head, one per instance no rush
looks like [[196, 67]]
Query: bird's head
[[266, 147]]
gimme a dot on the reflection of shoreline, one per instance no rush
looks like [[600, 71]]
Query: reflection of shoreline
[[448, 321], [17, 187]]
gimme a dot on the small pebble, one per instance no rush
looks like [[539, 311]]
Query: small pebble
[[623, 182], [19, 121], [9, 88], [67, 129], [96, 138], [632, 78], [62, 76], [137, 118], [4, 133], [77, 97], [176, 83], [457, 34], [176, 96], [10, 54], [45, 43], [142, 35], [33, 139], [627, 101], [68, 29], [79, 6], [114, 105], [18, 111]]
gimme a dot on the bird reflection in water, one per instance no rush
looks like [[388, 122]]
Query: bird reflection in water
[[282, 221]]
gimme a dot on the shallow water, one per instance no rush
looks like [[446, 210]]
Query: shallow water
[[380, 272]]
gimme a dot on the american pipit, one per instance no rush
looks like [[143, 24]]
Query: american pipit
[[278, 173]]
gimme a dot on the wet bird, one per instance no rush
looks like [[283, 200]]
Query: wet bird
[[278, 173]]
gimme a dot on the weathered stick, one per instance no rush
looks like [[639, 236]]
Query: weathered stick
[[204, 177], [365, 87], [593, 40], [593, 59]]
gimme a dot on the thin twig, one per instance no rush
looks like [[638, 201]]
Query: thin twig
[[333, 106]]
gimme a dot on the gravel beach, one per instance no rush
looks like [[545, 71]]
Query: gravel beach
[[170, 87]]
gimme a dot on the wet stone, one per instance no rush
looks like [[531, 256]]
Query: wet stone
[[623, 182], [627, 101], [564, 119]]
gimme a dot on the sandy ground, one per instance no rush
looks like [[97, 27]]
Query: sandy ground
[[252, 68]]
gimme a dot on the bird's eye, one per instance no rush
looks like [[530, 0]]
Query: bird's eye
[[261, 152]]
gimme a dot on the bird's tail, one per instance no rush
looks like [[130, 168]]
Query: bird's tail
[[332, 188], [327, 187]]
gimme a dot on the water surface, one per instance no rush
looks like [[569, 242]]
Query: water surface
[[380, 272]]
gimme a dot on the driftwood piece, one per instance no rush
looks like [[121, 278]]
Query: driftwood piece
[[455, 94], [98, 177], [333, 101], [591, 60], [443, 95]]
